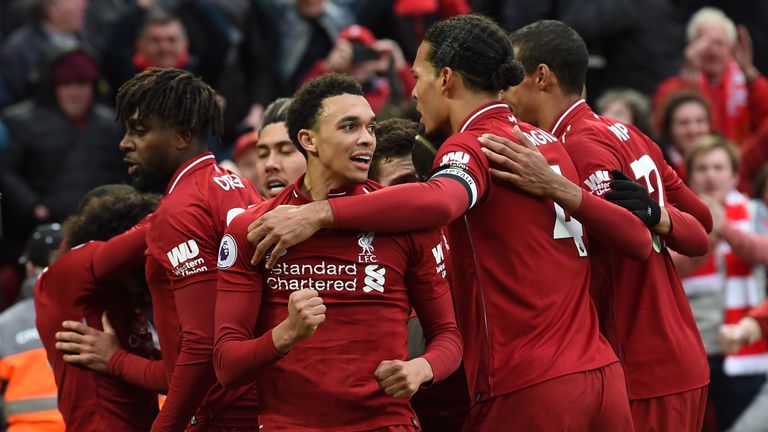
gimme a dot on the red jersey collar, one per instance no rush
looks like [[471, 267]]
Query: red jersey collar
[[302, 198], [197, 162], [490, 107], [566, 117]]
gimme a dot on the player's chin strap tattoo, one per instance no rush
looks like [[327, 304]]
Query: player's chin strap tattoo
[[633, 197]]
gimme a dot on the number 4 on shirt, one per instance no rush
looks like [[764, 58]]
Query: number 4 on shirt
[[566, 226]]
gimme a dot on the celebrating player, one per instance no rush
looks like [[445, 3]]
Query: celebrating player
[[168, 115], [323, 333], [643, 309]]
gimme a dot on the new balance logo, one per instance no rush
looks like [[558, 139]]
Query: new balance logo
[[598, 182], [437, 251], [455, 158], [374, 278], [183, 252]]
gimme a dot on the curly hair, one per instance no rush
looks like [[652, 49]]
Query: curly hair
[[107, 211], [308, 102], [174, 97], [477, 48], [394, 137]]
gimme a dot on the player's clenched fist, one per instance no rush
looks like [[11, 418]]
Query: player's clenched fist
[[306, 311], [401, 379]]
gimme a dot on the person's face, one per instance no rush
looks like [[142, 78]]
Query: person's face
[[75, 99], [163, 45], [67, 15], [148, 148], [427, 93], [711, 174], [396, 170], [343, 140], [717, 48], [689, 123], [310, 8], [277, 162], [620, 111]]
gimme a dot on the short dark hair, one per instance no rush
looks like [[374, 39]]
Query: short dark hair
[[175, 98], [159, 17], [394, 137], [556, 45], [308, 101], [477, 48], [276, 112], [107, 211]]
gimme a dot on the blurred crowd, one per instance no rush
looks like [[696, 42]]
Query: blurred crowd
[[689, 73]]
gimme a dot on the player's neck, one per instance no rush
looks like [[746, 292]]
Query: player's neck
[[554, 108], [462, 107], [319, 182]]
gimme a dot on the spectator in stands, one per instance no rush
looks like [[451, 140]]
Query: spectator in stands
[[147, 36], [722, 286], [26, 379], [627, 106], [56, 25], [269, 159], [719, 63], [62, 144], [378, 65], [297, 34], [684, 120]]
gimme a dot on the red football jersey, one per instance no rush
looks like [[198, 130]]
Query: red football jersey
[[644, 312], [182, 242], [522, 285], [368, 282], [76, 287]]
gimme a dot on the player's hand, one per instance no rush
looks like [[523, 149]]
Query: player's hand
[[90, 347], [287, 226], [306, 311], [635, 198], [733, 337], [521, 164], [744, 55], [401, 379]]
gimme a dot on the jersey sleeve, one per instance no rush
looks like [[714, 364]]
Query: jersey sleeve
[[139, 371], [612, 226], [460, 178], [431, 298], [238, 354], [185, 242], [121, 254]]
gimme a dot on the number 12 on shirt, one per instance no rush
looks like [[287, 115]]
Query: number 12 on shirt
[[566, 226]]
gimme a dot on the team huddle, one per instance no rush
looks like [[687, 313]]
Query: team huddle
[[535, 257]]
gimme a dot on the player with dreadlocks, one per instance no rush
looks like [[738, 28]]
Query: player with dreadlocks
[[168, 115]]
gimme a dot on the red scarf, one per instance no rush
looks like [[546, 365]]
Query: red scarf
[[726, 271], [729, 97], [142, 62]]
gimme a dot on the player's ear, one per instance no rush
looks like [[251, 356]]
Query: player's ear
[[543, 76], [307, 140], [446, 78], [182, 140]]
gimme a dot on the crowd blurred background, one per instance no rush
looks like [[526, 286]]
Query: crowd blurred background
[[689, 73]]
